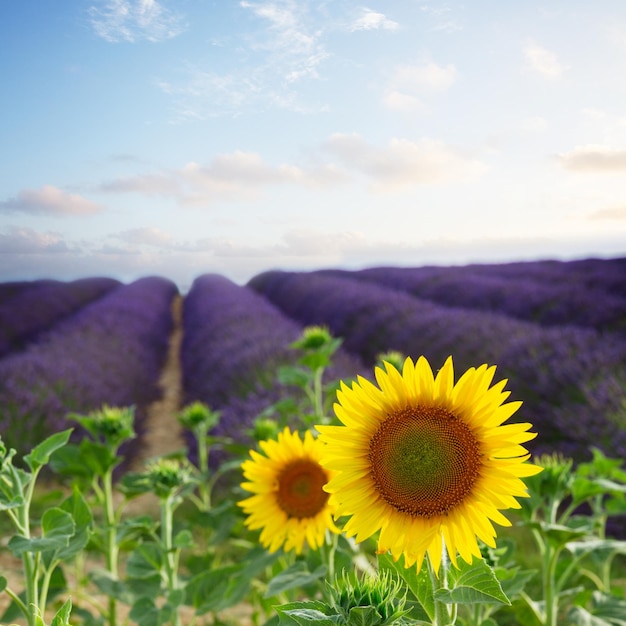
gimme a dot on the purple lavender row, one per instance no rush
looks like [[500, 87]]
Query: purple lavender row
[[571, 300], [35, 309], [13, 288], [570, 379], [233, 341], [606, 274], [111, 351]]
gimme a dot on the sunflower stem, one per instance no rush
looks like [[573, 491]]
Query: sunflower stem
[[439, 580]]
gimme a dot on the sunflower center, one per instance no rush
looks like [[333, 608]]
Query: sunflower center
[[424, 461], [300, 492]]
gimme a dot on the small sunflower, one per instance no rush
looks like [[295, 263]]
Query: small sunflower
[[425, 461], [289, 503]]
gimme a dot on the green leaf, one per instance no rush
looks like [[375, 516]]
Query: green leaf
[[146, 613], [87, 459], [289, 375], [57, 526], [558, 535], [184, 539], [144, 561], [13, 502], [513, 579], [40, 454], [110, 586], [296, 575], [586, 488], [609, 546], [209, 590], [472, 583], [130, 530], [79, 510], [364, 616], [419, 583], [605, 611], [176, 597], [62, 616], [3, 583], [313, 613]]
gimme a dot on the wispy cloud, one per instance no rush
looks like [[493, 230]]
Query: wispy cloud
[[428, 76], [292, 42], [372, 20], [403, 163], [612, 213], [49, 200], [442, 18], [148, 236], [243, 175], [409, 83], [542, 61], [286, 47], [234, 175], [135, 20], [594, 159], [402, 102], [29, 241]]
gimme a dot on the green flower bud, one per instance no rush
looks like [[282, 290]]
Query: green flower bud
[[198, 414], [313, 338], [167, 476], [393, 357], [265, 428], [114, 425], [381, 594]]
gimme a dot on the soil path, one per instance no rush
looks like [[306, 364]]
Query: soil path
[[163, 434]]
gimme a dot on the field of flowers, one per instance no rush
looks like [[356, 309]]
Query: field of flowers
[[260, 367]]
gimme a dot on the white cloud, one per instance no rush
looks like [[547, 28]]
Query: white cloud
[[49, 200], [372, 20], [160, 184], [28, 241], [282, 48], [292, 45], [403, 163], [243, 175], [403, 102], [542, 61], [427, 76], [145, 236], [409, 82], [594, 158], [442, 18], [612, 213], [131, 21], [234, 175]]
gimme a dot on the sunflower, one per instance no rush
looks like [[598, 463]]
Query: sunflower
[[425, 461], [289, 503]]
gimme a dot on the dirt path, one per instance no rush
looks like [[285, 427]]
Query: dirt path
[[163, 433]]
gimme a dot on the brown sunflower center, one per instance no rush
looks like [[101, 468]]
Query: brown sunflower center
[[424, 461], [300, 492]]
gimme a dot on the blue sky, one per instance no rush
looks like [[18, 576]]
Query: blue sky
[[183, 137]]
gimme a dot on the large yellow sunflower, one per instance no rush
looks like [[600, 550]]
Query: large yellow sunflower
[[425, 461], [289, 502]]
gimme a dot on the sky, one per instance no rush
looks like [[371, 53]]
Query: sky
[[183, 137]]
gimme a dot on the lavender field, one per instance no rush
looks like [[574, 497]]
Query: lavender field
[[556, 330]]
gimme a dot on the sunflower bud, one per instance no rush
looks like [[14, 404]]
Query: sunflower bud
[[375, 599], [198, 414]]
